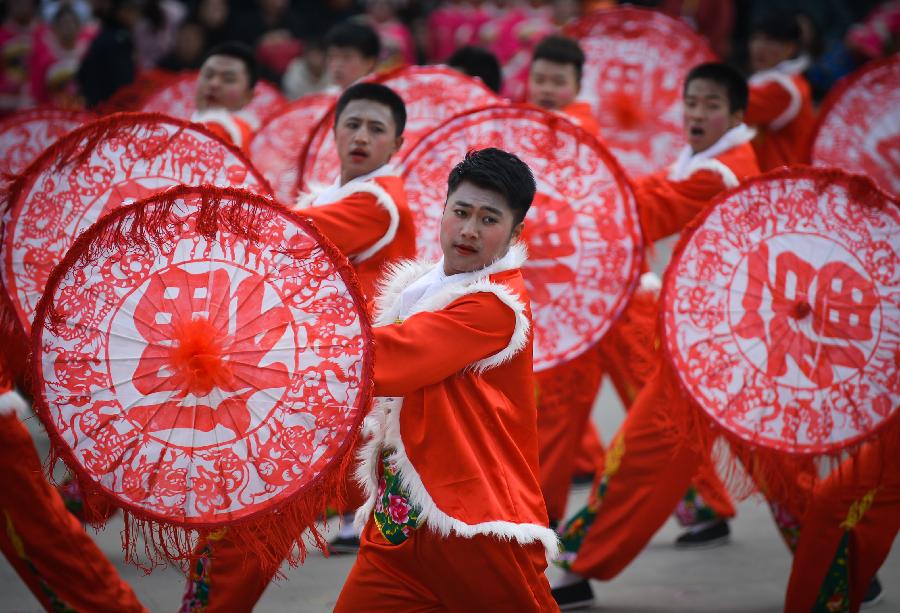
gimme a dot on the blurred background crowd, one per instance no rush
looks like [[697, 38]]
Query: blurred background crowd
[[76, 53]]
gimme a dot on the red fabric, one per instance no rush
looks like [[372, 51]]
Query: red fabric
[[241, 127], [649, 468], [485, 423], [44, 543], [463, 574], [666, 206], [356, 222], [790, 143], [582, 114], [566, 394], [590, 449], [835, 501]]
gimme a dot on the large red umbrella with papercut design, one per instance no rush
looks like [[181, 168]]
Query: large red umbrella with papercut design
[[782, 312], [90, 172], [867, 142], [432, 95], [25, 135], [275, 145], [176, 99], [584, 241], [636, 62], [215, 375]]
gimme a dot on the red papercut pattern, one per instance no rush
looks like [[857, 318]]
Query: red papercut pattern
[[782, 311], [276, 144], [70, 187], [863, 142], [432, 95], [205, 385], [26, 134], [176, 99], [633, 77], [583, 240]]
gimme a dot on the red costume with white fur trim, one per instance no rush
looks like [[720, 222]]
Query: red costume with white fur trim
[[780, 105], [234, 128], [457, 418]]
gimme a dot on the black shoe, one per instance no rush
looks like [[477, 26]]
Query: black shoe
[[344, 544], [874, 595], [713, 535], [575, 596]]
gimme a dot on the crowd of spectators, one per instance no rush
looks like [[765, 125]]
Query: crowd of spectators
[[73, 53]]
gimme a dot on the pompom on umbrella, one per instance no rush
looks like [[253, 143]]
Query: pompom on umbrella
[[216, 376]]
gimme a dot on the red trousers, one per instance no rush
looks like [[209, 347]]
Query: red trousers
[[860, 500], [648, 470], [46, 545], [428, 572]]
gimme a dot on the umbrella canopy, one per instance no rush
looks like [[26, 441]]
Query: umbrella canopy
[[432, 95], [25, 135], [867, 142], [782, 312], [584, 240], [215, 373], [90, 172], [275, 145], [176, 99], [633, 77]]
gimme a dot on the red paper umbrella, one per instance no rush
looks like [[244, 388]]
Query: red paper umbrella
[[177, 99], [432, 95], [584, 241], [25, 135], [782, 311], [275, 145], [633, 77], [866, 142], [202, 358], [90, 172]]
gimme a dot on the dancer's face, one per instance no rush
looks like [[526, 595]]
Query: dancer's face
[[551, 85], [224, 84], [707, 115], [365, 133]]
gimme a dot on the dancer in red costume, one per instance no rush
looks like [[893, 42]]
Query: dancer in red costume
[[225, 86], [44, 543], [780, 104], [621, 513], [453, 359], [365, 214]]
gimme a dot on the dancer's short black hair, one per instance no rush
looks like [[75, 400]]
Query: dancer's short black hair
[[375, 92], [783, 26], [561, 50], [238, 51], [354, 35], [478, 62], [498, 171], [730, 78]]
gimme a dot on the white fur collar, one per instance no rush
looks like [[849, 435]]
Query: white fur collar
[[782, 74], [689, 162], [320, 193], [403, 274], [223, 118]]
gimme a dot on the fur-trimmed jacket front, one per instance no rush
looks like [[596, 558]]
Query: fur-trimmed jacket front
[[456, 405]]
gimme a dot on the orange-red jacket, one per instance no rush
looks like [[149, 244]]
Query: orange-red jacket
[[369, 220], [230, 127], [667, 200], [582, 114], [780, 106], [457, 404]]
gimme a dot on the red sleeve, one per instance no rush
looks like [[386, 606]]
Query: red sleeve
[[666, 206], [766, 103], [429, 347], [353, 224]]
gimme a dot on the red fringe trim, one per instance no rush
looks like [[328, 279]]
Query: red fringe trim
[[147, 539], [749, 468]]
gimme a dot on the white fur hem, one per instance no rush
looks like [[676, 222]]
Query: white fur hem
[[222, 118], [388, 416], [728, 177], [383, 199], [403, 274], [13, 402]]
